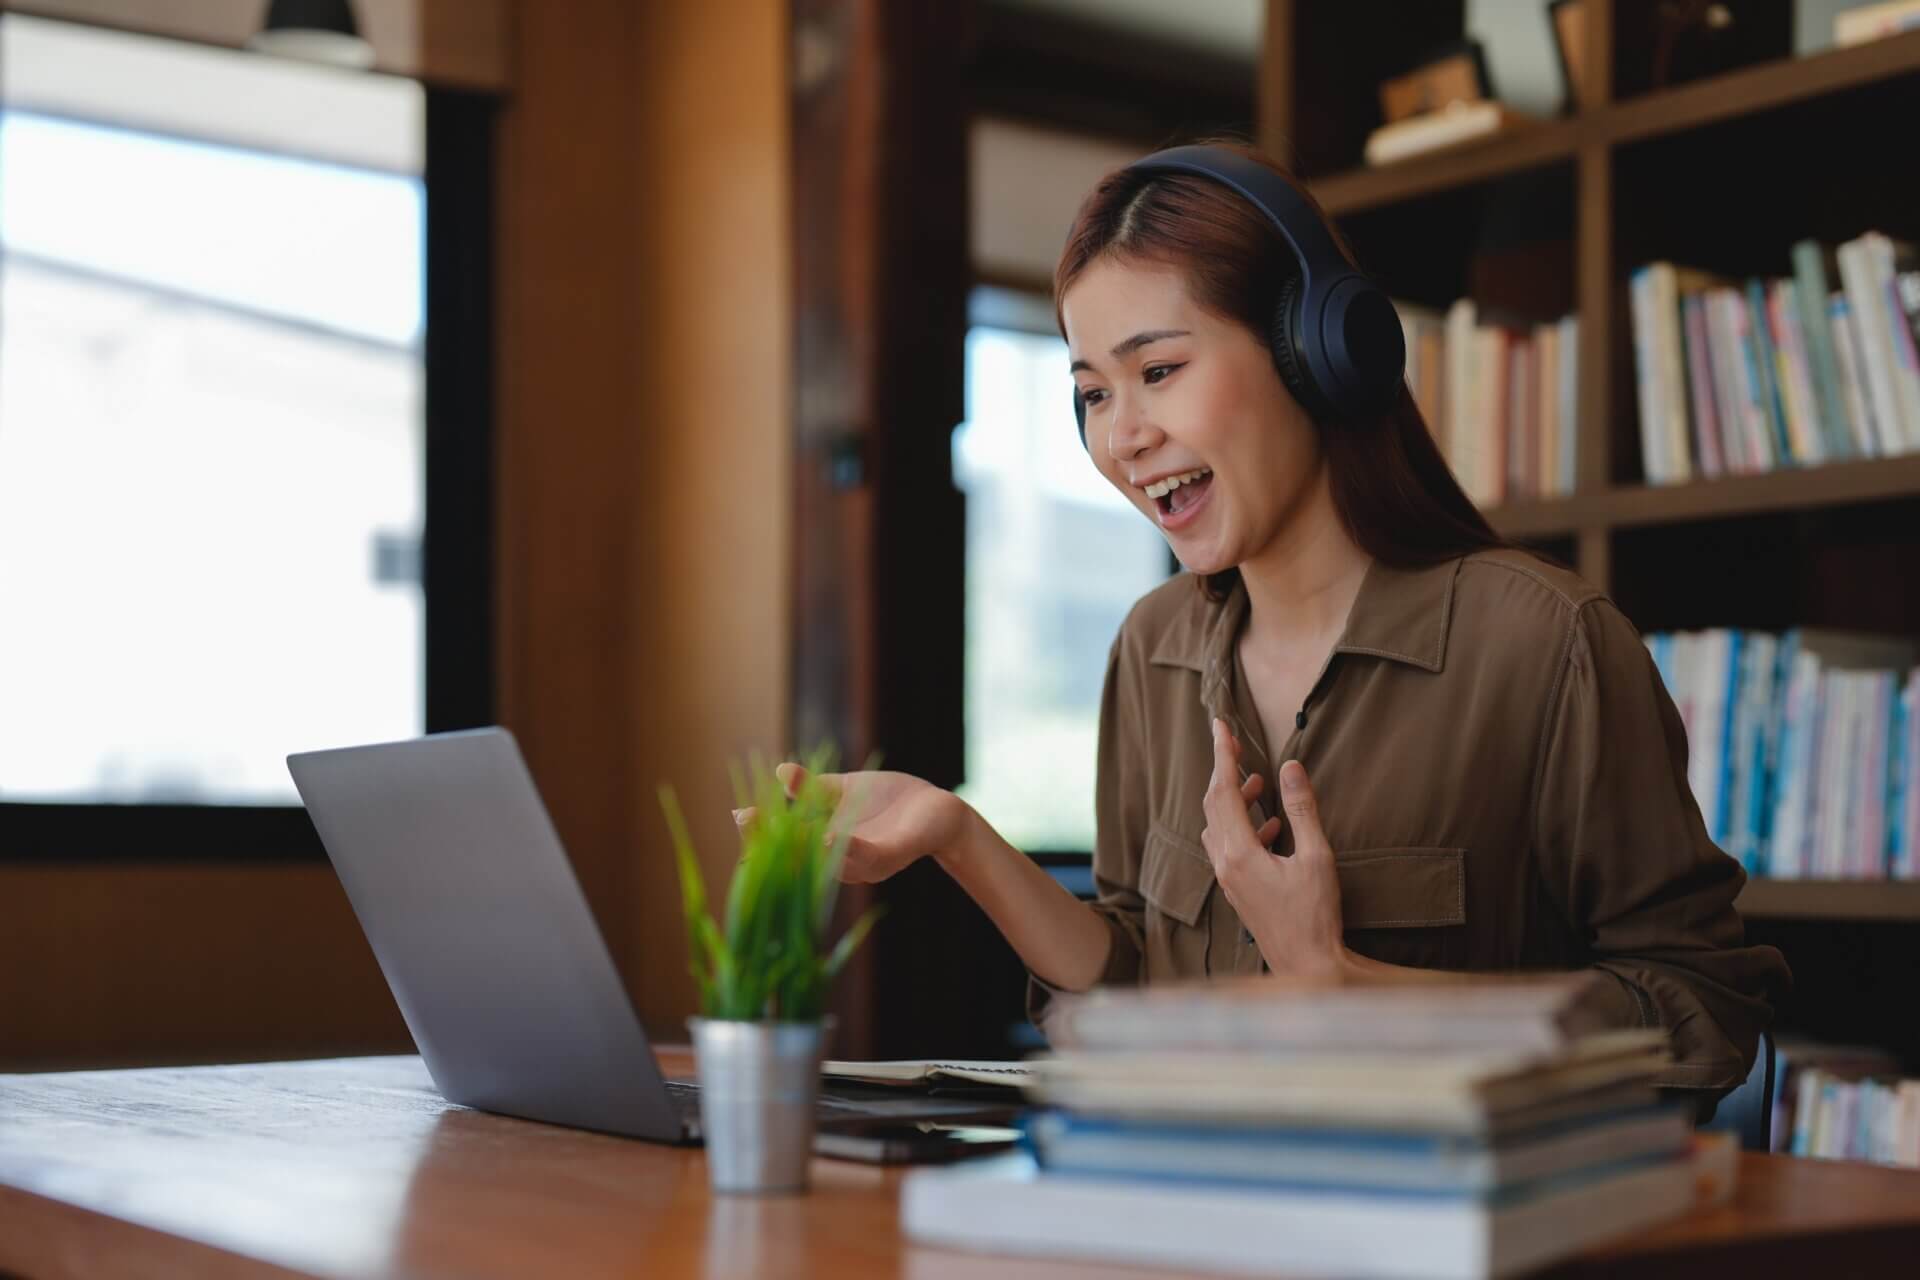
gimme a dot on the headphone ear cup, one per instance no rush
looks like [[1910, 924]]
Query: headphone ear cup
[[1286, 357], [1080, 413]]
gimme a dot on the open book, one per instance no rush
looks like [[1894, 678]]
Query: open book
[[924, 1072]]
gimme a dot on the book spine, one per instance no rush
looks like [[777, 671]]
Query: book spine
[[1646, 378], [1673, 378], [1800, 375], [1772, 405], [1759, 431], [1569, 415], [1846, 356], [1906, 362], [1730, 652], [1728, 387], [1812, 290], [1791, 407], [1907, 864], [1875, 345], [1706, 419], [1740, 775]]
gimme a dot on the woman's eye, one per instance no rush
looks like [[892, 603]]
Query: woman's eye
[[1092, 397], [1154, 374]]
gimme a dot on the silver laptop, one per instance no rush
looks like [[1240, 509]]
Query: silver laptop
[[473, 911]]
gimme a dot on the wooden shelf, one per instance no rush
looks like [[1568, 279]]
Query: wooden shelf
[[1761, 88], [1792, 489], [1663, 113], [1887, 900], [1456, 166]]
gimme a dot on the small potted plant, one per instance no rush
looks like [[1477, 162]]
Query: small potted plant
[[763, 973]]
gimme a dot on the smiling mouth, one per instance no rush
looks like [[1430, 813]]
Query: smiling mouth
[[1178, 494]]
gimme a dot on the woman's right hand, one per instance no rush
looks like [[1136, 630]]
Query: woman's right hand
[[897, 819]]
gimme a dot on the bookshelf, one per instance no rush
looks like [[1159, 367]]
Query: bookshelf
[[1894, 900], [1724, 173]]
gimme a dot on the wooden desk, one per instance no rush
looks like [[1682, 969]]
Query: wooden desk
[[356, 1167]]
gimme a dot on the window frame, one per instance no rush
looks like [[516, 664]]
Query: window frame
[[456, 564]]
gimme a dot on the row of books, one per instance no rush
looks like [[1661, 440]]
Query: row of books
[[1845, 1102], [1803, 747], [1741, 377], [1483, 1126], [1501, 399]]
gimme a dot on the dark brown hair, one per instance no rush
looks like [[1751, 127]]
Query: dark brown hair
[[1394, 492]]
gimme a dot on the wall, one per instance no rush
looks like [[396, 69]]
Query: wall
[[645, 389], [642, 422], [1027, 184], [712, 470], [110, 966]]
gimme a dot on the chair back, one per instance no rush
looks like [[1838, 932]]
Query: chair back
[[1748, 1110]]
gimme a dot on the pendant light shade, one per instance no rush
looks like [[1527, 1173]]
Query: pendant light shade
[[314, 30]]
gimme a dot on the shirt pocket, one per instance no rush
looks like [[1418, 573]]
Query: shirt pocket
[[1406, 887], [1175, 876]]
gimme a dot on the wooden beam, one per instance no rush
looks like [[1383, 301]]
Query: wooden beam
[[1071, 73], [459, 43]]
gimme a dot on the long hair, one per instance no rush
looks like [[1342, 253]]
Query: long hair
[[1390, 485]]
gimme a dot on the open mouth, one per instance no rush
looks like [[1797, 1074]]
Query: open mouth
[[1178, 496]]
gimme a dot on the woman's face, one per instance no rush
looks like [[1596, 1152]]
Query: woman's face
[[1175, 392]]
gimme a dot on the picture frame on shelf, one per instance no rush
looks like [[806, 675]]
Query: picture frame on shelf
[[1453, 72], [1568, 21]]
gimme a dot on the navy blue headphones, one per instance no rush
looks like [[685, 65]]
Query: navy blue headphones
[[1335, 336]]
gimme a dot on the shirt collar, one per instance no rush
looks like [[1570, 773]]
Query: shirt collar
[[1400, 614]]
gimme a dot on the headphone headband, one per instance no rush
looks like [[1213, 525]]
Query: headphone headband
[[1266, 191], [1336, 338]]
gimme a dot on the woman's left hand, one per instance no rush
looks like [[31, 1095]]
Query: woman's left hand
[[1291, 905]]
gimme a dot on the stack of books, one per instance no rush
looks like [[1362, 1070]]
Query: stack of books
[[1740, 377], [1500, 398], [1803, 748], [1474, 1127], [1875, 22], [1448, 126]]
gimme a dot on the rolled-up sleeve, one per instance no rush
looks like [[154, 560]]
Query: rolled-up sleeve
[[1120, 830], [1624, 850]]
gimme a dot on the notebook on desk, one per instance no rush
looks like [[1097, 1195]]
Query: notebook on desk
[[925, 1073]]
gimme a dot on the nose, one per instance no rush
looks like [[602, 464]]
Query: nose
[[1129, 434]]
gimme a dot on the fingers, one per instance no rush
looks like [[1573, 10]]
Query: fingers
[[1250, 789], [859, 866], [1302, 810], [1226, 811], [793, 777]]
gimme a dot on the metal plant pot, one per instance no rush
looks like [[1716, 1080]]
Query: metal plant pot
[[759, 1082]]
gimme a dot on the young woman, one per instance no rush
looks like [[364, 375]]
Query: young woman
[[1498, 776]]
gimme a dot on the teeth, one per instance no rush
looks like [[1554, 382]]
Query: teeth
[[1161, 488]]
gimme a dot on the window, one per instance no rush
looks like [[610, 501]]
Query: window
[[214, 436], [1055, 558]]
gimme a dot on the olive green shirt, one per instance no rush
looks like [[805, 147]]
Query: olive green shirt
[[1502, 776]]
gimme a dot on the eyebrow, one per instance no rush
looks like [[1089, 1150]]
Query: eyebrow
[[1132, 345]]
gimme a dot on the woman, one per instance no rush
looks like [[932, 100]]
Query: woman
[[1498, 776]]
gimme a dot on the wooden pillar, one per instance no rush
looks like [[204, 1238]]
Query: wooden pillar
[[879, 173]]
